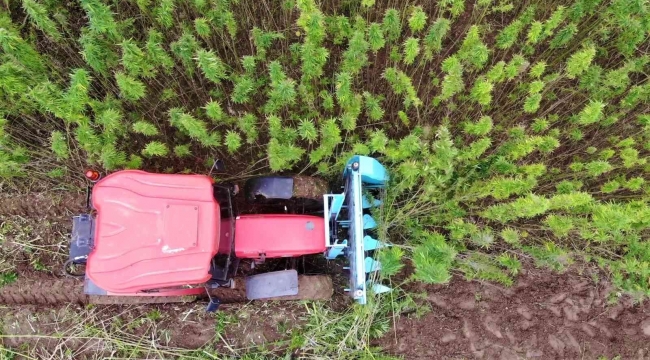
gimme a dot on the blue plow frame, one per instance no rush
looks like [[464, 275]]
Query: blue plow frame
[[349, 211]]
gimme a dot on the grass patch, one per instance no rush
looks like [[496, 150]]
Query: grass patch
[[310, 330]]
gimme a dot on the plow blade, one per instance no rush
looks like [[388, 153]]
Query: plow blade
[[350, 227], [64, 291]]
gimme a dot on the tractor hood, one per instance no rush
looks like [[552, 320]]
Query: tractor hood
[[152, 231]]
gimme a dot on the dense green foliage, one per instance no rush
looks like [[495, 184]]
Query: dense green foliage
[[510, 129]]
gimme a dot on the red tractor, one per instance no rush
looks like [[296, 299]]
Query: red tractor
[[162, 235]]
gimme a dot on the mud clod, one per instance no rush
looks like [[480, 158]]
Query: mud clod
[[570, 312], [556, 299], [525, 312], [531, 354], [468, 304], [467, 329], [557, 344], [447, 338], [508, 354], [571, 342], [492, 326], [588, 329], [438, 301], [555, 310], [525, 325], [645, 327]]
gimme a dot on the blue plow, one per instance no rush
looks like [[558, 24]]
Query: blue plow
[[349, 227]]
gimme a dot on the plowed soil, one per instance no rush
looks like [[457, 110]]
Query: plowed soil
[[40, 205], [543, 316]]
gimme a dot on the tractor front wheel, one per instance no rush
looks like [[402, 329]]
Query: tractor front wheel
[[280, 194]]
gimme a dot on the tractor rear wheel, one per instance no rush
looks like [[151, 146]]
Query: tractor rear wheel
[[307, 195], [138, 300], [281, 194], [310, 287], [70, 291]]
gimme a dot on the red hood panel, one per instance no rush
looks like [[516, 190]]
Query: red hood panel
[[279, 235], [152, 231]]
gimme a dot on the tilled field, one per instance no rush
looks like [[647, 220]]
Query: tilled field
[[545, 315]]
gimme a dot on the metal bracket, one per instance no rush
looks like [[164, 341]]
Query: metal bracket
[[217, 166], [272, 284], [213, 302], [88, 191]]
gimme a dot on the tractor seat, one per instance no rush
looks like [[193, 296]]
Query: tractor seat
[[278, 235], [152, 231]]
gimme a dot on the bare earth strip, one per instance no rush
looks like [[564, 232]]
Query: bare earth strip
[[545, 315], [39, 205]]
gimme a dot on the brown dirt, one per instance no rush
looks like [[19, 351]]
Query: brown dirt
[[44, 291], [543, 316], [308, 187], [39, 205], [34, 245]]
